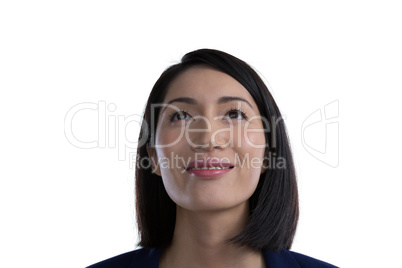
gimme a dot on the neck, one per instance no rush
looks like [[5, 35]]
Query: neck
[[200, 240]]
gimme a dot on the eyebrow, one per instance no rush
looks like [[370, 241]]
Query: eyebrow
[[221, 100]]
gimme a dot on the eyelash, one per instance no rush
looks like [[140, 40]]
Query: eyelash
[[183, 112], [240, 111]]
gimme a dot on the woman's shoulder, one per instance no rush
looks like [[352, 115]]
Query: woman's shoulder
[[286, 258], [150, 258], [137, 258]]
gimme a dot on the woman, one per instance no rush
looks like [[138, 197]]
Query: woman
[[220, 190]]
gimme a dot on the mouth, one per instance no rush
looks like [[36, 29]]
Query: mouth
[[209, 164], [209, 168]]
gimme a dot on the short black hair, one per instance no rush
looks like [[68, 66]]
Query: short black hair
[[274, 206]]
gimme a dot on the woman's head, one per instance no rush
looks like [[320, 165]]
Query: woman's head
[[212, 109], [210, 120]]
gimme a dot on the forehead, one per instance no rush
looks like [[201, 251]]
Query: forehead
[[205, 84]]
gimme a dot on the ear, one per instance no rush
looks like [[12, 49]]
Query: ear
[[154, 160]]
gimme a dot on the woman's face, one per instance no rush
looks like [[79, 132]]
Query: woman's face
[[209, 141]]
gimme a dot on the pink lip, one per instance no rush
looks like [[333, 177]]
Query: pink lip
[[208, 162], [205, 173]]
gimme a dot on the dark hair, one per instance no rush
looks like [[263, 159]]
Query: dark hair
[[274, 208]]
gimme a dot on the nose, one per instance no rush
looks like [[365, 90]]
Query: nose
[[204, 134]]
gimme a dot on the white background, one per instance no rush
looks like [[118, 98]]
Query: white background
[[62, 206]]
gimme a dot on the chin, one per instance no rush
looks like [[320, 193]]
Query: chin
[[212, 204]]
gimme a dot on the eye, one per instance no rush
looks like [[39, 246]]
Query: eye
[[181, 115], [236, 113]]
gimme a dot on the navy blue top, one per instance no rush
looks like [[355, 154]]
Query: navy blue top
[[149, 258]]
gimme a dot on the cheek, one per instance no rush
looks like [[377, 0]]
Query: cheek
[[251, 155], [168, 138], [253, 143], [255, 139], [169, 143], [171, 172], [171, 185]]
